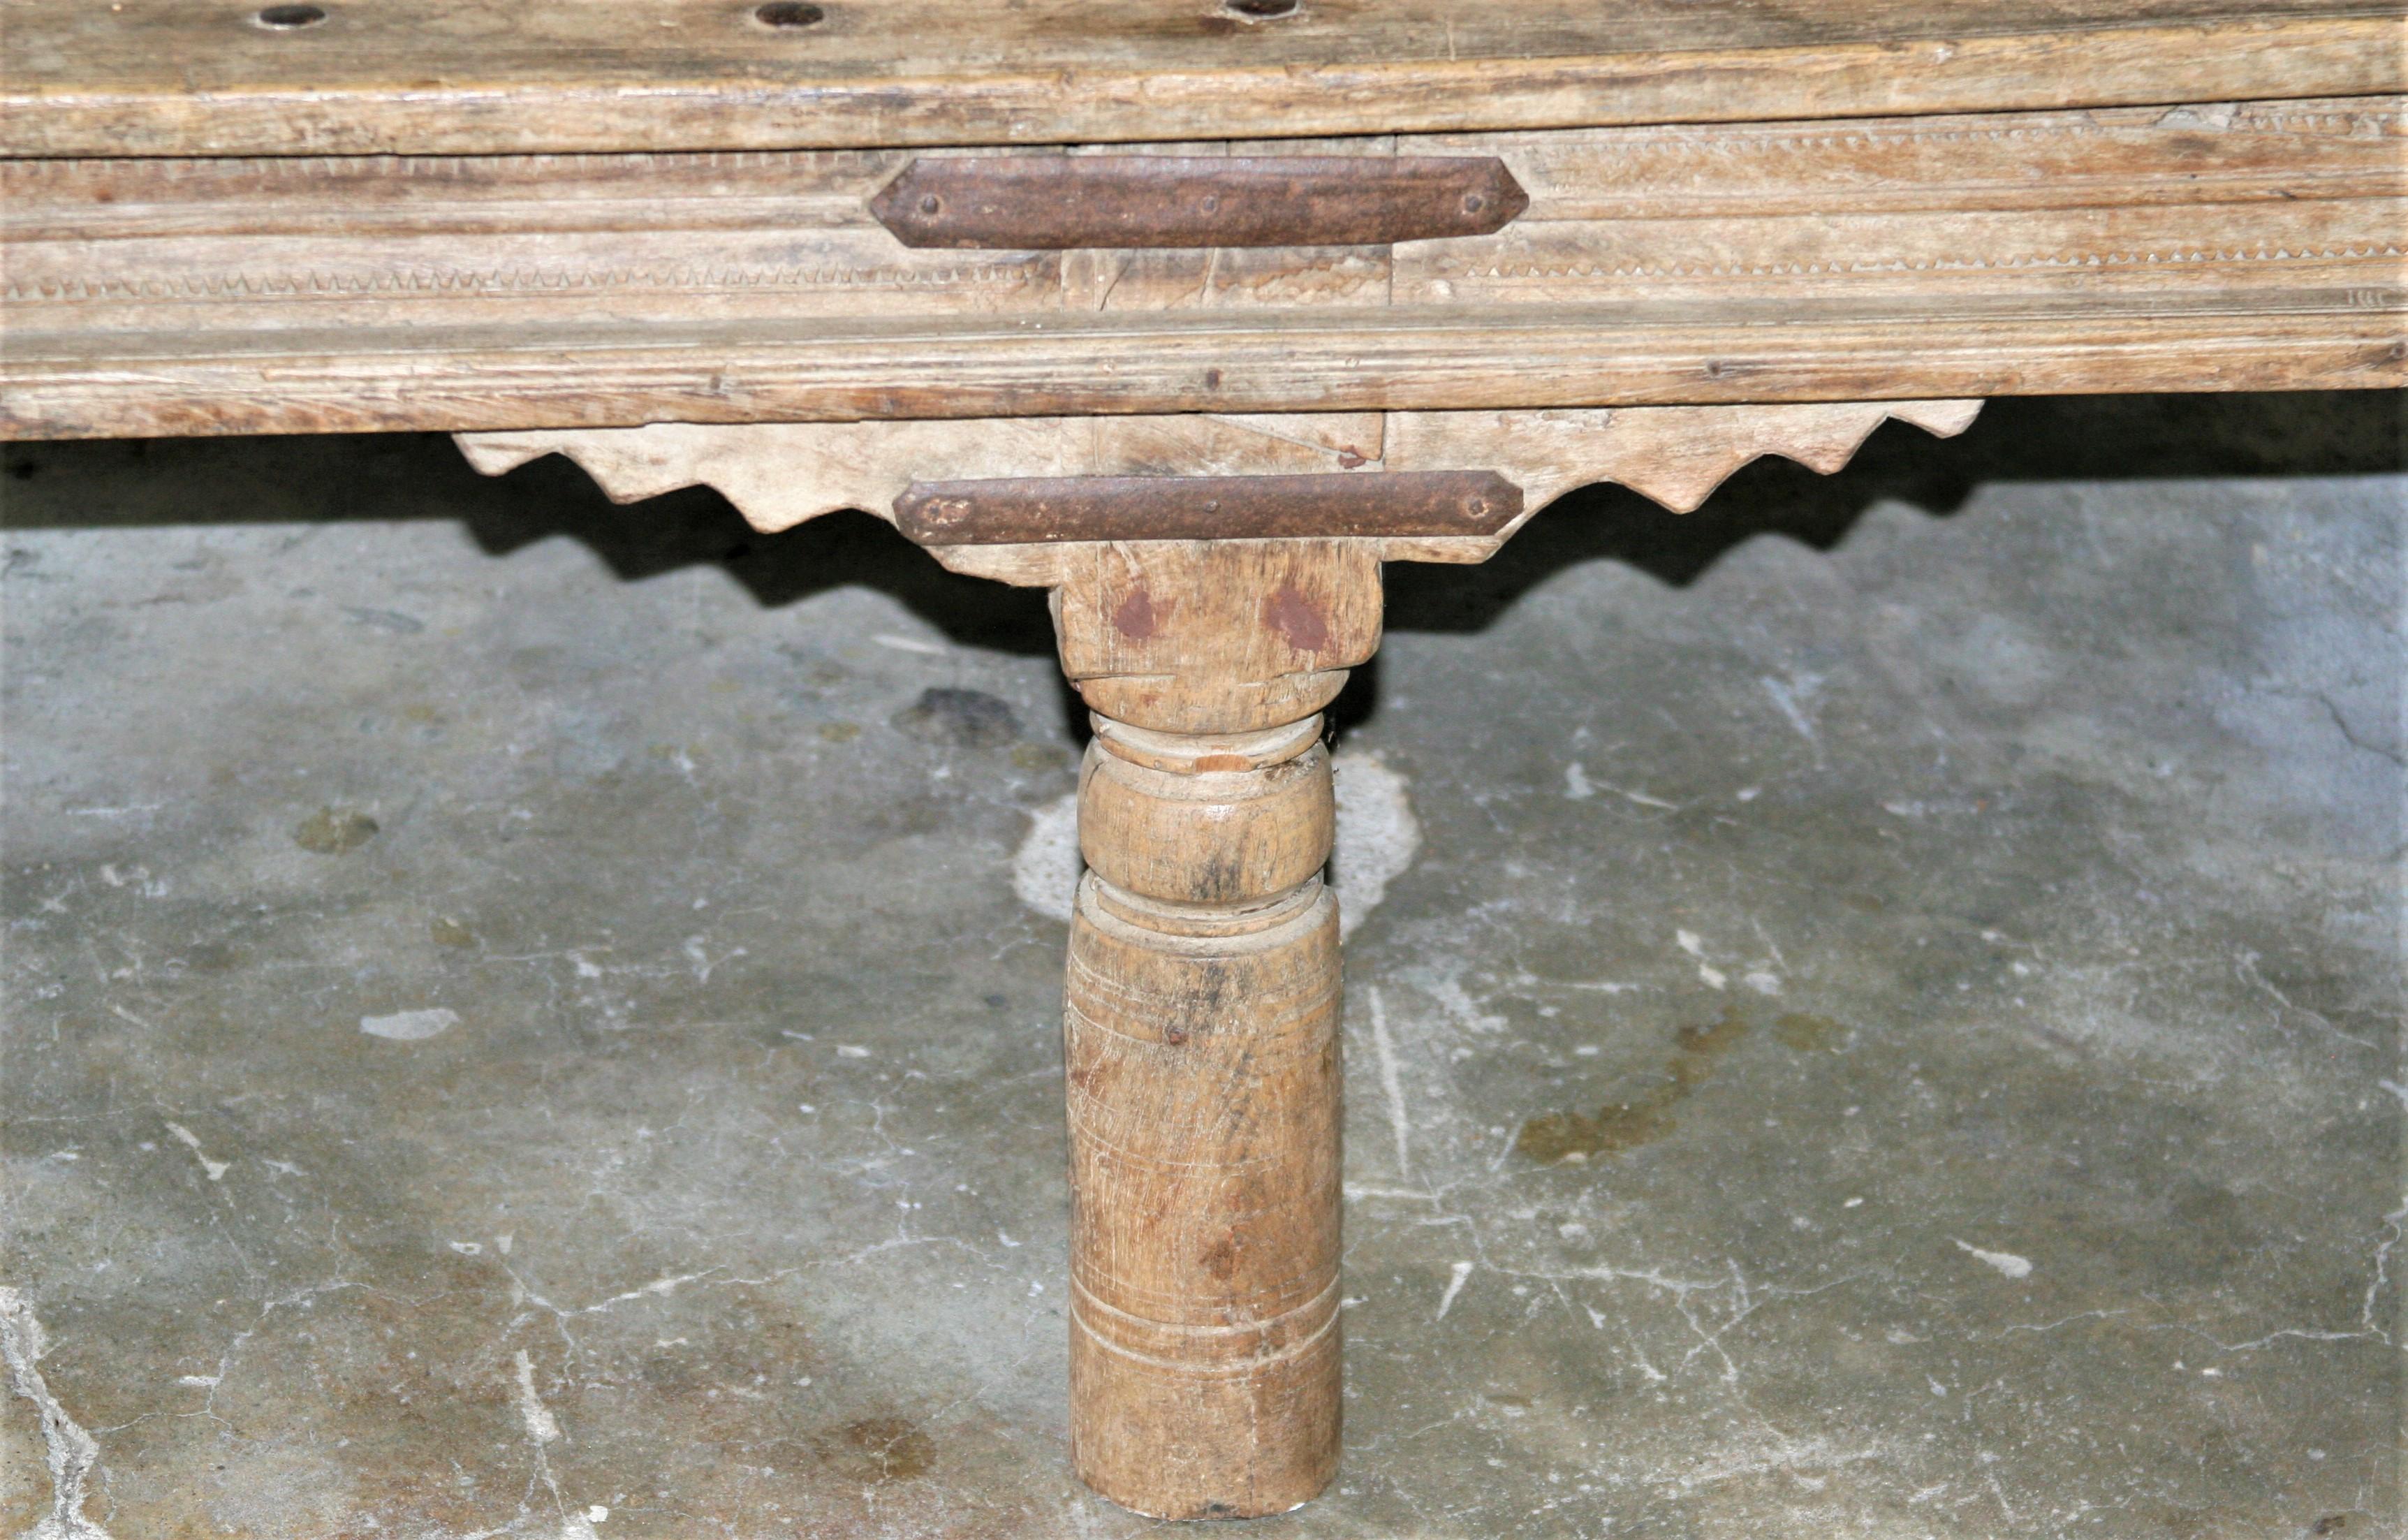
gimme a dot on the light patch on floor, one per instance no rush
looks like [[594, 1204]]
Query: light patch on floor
[[1045, 868], [2007, 1262], [410, 1026], [69, 1450], [541, 1425], [1378, 836], [191, 1140]]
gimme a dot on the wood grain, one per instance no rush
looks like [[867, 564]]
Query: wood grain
[[1569, 355], [451, 77], [2256, 245], [1200, 1027]]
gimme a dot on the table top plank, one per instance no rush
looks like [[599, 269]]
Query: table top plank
[[598, 374], [2225, 246], [448, 76]]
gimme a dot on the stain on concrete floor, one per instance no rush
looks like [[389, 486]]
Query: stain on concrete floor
[[519, 1022]]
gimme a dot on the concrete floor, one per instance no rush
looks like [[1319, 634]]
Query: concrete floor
[[518, 1023]]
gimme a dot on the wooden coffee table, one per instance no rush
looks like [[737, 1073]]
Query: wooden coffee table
[[1194, 313]]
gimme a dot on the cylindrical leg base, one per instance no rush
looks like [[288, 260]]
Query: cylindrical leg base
[[1203, 1056]]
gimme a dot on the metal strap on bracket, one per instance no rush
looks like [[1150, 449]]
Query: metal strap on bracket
[[1052, 510]]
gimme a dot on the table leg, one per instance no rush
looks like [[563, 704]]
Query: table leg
[[1201, 1033]]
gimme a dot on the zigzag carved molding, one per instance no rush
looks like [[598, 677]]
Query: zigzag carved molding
[[779, 474]]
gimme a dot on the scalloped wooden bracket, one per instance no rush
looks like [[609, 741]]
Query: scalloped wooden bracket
[[779, 474]]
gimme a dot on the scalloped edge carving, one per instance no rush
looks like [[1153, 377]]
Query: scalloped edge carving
[[781, 474]]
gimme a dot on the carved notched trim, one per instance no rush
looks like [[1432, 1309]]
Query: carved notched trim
[[779, 474]]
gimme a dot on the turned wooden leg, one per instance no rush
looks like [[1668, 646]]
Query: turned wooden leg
[[1201, 1033]]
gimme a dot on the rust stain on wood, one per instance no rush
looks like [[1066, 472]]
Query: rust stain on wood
[[1135, 618], [1295, 620], [1059, 203]]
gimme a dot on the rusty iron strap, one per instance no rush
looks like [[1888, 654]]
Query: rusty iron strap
[[1055, 203], [1049, 510]]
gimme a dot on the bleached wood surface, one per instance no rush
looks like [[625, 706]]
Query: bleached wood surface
[[468, 76], [2216, 245]]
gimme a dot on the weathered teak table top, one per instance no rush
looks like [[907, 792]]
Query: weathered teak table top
[[1729, 202], [1194, 312], [456, 78]]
